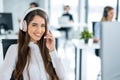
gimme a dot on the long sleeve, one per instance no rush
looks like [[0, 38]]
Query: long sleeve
[[58, 65], [97, 30], [9, 62]]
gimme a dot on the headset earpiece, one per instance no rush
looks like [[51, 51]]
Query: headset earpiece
[[105, 13], [24, 26], [23, 23]]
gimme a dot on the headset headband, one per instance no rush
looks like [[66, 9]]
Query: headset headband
[[27, 12]]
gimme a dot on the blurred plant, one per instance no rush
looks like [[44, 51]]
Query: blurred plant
[[86, 35]]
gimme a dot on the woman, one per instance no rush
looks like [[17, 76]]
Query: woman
[[108, 14], [33, 4], [67, 13], [34, 57]]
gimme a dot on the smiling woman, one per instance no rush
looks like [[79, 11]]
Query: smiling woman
[[33, 53], [36, 28]]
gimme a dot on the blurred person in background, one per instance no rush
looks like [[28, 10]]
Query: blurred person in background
[[108, 15], [67, 13], [31, 5]]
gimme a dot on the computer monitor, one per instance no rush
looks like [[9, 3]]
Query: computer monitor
[[6, 22], [63, 20], [110, 50]]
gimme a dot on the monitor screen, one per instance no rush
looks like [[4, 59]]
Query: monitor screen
[[6, 21], [110, 50], [63, 20]]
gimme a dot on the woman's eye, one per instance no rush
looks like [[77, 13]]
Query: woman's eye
[[34, 24], [43, 25]]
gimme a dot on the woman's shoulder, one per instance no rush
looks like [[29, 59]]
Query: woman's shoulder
[[98, 23], [13, 46], [12, 52]]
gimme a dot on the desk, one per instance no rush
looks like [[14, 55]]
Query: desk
[[80, 45], [66, 29]]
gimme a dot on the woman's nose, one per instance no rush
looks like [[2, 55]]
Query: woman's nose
[[39, 29]]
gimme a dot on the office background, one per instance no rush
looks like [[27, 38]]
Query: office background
[[84, 12]]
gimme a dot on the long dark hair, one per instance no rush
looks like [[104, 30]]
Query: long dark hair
[[24, 52]]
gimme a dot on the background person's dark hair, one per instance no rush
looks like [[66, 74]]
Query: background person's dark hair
[[66, 6], [106, 9], [35, 4]]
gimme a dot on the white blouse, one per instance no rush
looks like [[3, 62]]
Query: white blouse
[[36, 67]]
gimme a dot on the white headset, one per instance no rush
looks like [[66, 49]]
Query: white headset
[[23, 23]]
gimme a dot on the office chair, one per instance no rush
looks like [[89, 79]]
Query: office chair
[[6, 43], [97, 51], [93, 28]]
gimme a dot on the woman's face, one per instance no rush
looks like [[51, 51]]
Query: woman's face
[[36, 28], [67, 9], [110, 15]]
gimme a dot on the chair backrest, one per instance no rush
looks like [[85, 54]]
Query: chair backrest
[[5, 44], [93, 28]]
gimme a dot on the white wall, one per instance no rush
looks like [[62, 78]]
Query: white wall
[[1, 5]]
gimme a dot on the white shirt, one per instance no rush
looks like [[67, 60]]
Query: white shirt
[[36, 67]]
